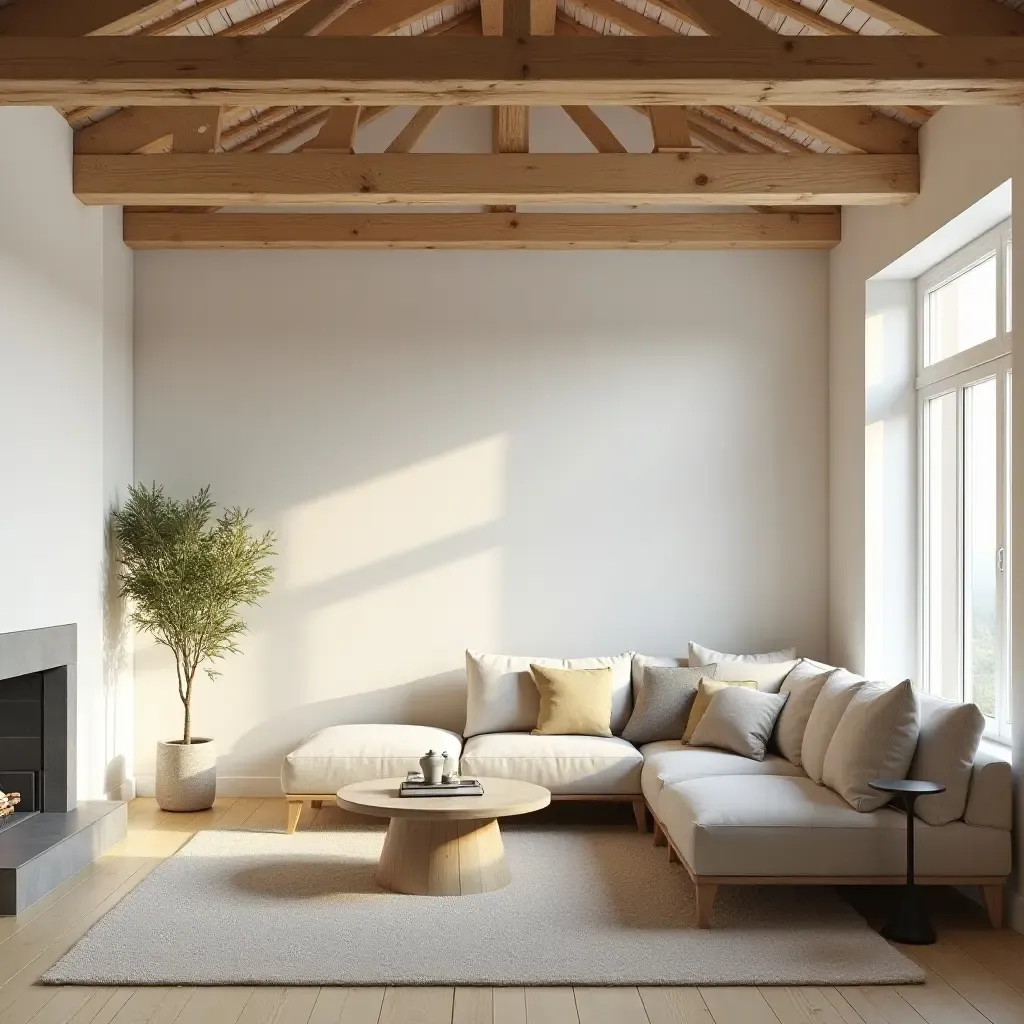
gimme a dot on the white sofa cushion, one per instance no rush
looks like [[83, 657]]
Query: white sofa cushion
[[706, 656], [803, 685], [948, 741], [342, 754], [833, 700], [675, 761], [566, 765], [501, 695], [765, 826], [875, 739]]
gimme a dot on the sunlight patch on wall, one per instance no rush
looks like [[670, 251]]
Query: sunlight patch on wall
[[408, 630], [395, 513]]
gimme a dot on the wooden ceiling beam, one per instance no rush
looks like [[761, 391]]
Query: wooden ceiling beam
[[310, 18], [670, 127], [946, 17], [817, 22], [224, 179], [742, 142], [755, 129], [536, 70], [597, 133], [849, 129], [405, 141], [481, 231], [718, 18], [380, 17], [338, 132], [626, 18], [79, 17]]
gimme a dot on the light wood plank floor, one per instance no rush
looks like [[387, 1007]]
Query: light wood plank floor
[[975, 975]]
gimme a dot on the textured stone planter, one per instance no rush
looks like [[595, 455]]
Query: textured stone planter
[[186, 776]]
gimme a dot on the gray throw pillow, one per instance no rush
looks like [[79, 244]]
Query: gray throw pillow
[[740, 720], [663, 702]]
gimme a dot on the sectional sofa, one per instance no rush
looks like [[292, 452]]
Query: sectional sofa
[[728, 819]]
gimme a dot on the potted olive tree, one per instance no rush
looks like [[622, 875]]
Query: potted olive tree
[[186, 579]]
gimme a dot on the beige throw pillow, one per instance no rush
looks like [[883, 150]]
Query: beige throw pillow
[[740, 720], [707, 689], [768, 676], [573, 702], [946, 746], [706, 656], [802, 685], [828, 709], [875, 739]]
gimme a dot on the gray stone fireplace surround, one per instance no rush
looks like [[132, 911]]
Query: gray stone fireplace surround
[[53, 836]]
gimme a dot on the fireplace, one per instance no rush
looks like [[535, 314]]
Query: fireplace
[[51, 835], [37, 741]]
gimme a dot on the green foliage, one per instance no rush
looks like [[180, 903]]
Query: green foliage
[[187, 578]]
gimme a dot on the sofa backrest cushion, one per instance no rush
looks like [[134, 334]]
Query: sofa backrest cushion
[[501, 695], [739, 720], [706, 656], [875, 739], [662, 705], [802, 685], [642, 661], [949, 739], [768, 676], [828, 709]]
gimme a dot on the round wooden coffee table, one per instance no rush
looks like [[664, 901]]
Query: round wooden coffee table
[[443, 845]]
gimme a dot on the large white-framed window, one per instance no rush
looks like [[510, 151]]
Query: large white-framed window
[[964, 379]]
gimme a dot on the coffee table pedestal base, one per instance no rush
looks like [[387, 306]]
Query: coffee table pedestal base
[[427, 857]]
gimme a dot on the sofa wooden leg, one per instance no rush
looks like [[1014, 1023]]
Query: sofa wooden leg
[[317, 804], [994, 902], [705, 902], [640, 813], [673, 857], [294, 813], [660, 839]]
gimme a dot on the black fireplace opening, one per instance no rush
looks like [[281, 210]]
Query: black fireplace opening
[[34, 740]]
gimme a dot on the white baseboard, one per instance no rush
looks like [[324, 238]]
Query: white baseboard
[[227, 785], [126, 791]]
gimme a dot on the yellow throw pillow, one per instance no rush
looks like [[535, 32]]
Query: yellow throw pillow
[[573, 702], [707, 689]]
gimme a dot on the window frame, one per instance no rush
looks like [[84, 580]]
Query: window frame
[[991, 359]]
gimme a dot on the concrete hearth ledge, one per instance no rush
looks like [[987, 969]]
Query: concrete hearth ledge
[[40, 853]]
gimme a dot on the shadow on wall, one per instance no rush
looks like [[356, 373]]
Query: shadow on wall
[[117, 667], [438, 700]]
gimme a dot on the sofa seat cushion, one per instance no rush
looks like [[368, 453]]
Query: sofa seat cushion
[[765, 826], [674, 761], [342, 754], [565, 765]]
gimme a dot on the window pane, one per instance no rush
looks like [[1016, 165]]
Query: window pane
[[941, 642], [981, 654], [962, 313]]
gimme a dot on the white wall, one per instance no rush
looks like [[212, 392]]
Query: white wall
[[966, 153], [548, 453], [65, 423]]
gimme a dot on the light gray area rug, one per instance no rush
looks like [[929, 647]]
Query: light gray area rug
[[586, 906]]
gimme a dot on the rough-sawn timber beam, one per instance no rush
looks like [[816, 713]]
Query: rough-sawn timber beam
[[481, 231], [534, 70], [224, 179]]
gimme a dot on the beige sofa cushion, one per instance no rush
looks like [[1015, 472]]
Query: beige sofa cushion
[[835, 696], [739, 720], [566, 765], [342, 754], [501, 695], [875, 739], [990, 796], [949, 737], [706, 656], [802, 685], [573, 702], [772, 827], [768, 676], [675, 761]]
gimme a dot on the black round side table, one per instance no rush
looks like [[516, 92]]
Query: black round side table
[[910, 923]]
